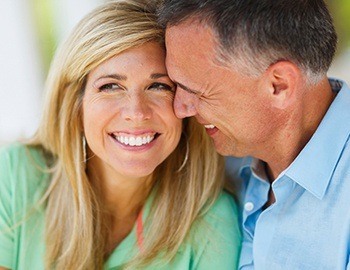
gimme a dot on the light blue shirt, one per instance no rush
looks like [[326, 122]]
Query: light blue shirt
[[308, 226]]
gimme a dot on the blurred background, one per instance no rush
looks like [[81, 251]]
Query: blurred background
[[30, 31]]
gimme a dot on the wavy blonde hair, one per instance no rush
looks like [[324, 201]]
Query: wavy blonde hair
[[76, 234]]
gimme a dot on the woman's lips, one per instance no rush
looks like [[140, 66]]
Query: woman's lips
[[133, 140]]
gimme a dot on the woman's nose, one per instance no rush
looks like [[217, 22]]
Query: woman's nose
[[137, 108]]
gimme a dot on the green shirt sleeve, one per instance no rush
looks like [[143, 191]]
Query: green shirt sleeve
[[22, 183], [6, 210], [221, 237]]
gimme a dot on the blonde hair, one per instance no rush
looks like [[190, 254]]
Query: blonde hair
[[76, 230]]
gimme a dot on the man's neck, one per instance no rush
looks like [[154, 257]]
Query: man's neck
[[304, 120]]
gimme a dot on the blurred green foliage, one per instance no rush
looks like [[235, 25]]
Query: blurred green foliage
[[43, 14], [340, 10]]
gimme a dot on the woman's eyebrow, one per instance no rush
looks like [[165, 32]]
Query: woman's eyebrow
[[158, 75], [114, 76]]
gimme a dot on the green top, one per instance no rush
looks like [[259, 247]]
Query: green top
[[213, 244]]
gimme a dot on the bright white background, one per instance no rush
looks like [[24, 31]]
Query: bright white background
[[21, 70]]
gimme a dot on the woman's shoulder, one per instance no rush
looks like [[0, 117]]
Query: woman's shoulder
[[10, 157], [224, 207], [220, 220], [22, 165], [20, 156], [22, 182], [216, 237], [19, 152], [8, 150], [220, 224]]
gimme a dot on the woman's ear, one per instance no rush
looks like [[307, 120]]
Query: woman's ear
[[283, 79]]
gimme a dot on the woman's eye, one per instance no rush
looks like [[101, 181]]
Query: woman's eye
[[162, 86], [109, 87]]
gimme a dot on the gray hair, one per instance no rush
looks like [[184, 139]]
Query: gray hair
[[253, 34]]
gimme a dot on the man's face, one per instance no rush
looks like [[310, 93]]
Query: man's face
[[231, 105]]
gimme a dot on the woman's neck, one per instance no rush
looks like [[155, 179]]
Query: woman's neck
[[125, 198], [122, 198], [121, 195]]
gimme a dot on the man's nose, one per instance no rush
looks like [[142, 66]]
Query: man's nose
[[185, 104]]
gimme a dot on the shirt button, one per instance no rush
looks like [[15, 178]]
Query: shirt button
[[249, 206]]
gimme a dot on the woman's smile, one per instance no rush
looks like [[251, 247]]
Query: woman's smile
[[129, 121]]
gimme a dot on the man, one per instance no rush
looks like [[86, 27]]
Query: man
[[253, 72]]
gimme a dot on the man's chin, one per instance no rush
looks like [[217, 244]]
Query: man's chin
[[226, 149]]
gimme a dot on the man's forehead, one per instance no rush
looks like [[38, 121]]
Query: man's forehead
[[196, 27], [186, 40], [190, 54]]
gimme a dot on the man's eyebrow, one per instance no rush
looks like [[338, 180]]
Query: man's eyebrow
[[191, 91]]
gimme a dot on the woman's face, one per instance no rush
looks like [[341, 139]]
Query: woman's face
[[129, 122]]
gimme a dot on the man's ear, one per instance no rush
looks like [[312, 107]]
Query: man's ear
[[283, 79]]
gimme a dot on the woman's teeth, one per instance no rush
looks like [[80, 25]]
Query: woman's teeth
[[209, 126], [135, 141]]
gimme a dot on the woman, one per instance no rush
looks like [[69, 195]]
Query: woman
[[112, 178]]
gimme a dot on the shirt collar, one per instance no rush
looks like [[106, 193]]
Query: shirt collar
[[245, 168], [314, 166]]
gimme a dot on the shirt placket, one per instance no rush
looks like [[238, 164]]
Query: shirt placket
[[255, 198]]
